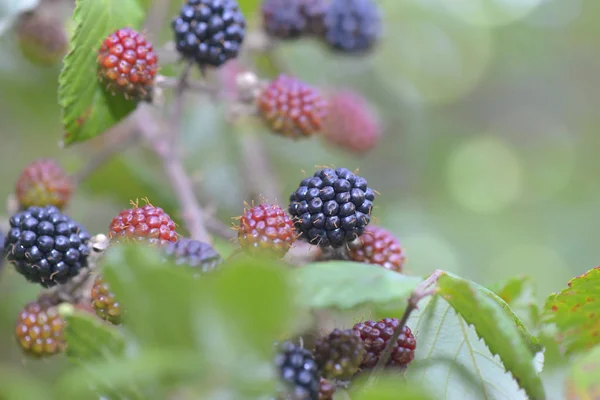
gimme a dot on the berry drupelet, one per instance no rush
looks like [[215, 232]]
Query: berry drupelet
[[332, 208], [352, 26], [340, 354], [193, 253], [104, 302], [292, 108], [43, 183], [299, 371], [143, 224], [127, 64], [46, 246], [378, 246], [209, 32], [375, 336], [266, 229], [39, 330]]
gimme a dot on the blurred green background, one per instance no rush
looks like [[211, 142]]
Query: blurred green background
[[488, 166]]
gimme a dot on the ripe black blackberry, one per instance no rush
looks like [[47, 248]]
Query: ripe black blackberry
[[46, 246], [352, 26], [209, 31], [283, 19], [193, 253], [331, 208], [339, 354], [298, 369]]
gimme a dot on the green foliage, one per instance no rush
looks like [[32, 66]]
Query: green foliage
[[88, 109], [387, 387], [90, 338], [576, 312], [583, 381], [248, 7], [453, 362], [501, 330], [209, 334], [519, 294], [345, 284]]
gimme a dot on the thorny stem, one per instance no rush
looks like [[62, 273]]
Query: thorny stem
[[423, 290]]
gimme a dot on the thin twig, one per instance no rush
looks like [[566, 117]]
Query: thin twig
[[259, 177], [220, 229], [176, 115], [423, 290], [193, 85]]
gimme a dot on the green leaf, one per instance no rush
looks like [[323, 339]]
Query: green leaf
[[16, 384], [387, 387], [583, 381], [88, 109], [502, 332], [576, 312], [452, 361], [248, 7], [519, 294], [345, 284], [89, 338]]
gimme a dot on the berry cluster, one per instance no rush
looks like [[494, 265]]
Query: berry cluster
[[143, 224], [104, 302], [192, 253], [42, 183], [39, 329], [350, 26], [127, 64], [378, 246], [332, 208], [339, 356]]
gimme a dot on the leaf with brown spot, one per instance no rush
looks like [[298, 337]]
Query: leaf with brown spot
[[574, 311], [583, 382]]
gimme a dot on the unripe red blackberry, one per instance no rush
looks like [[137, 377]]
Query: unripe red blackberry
[[351, 123], [104, 302], [378, 246], [127, 64], [375, 336], [143, 224], [292, 108], [42, 38], [266, 229], [39, 330], [340, 354], [326, 390], [352, 26], [331, 208], [193, 253], [299, 371], [210, 32], [46, 246], [43, 183]]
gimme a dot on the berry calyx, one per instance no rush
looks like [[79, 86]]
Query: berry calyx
[[326, 390], [331, 208], [378, 246], [266, 229], [352, 26], [340, 354], [42, 38], [127, 64], [351, 123], [143, 224], [299, 371], [292, 108], [193, 253], [209, 32], [46, 246], [43, 183], [39, 330], [104, 301], [375, 336]]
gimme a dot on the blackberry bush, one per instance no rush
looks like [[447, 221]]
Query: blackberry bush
[[193, 253], [266, 228], [127, 64], [332, 208], [46, 246], [209, 32], [43, 183], [299, 371]]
